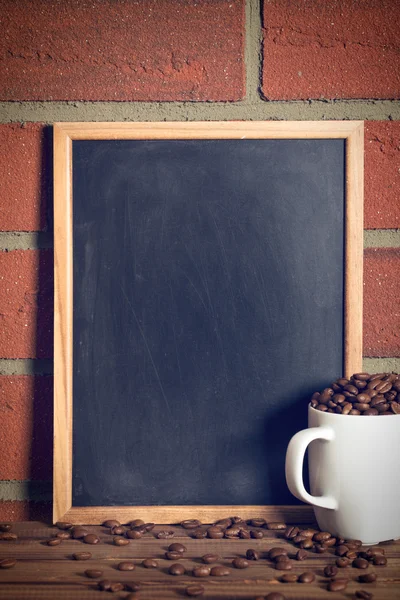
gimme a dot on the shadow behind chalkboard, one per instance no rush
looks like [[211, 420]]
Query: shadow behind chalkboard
[[208, 304]]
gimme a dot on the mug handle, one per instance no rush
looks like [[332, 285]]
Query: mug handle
[[294, 465]]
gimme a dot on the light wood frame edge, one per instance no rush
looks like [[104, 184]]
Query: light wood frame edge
[[64, 133]]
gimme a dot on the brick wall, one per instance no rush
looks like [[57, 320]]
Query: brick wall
[[151, 60]]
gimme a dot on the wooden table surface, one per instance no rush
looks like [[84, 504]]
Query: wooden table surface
[[51, 573]]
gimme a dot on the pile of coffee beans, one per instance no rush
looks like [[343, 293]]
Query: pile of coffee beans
[[362, 394]]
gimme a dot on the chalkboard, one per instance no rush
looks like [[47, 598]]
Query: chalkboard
[[209, 299]]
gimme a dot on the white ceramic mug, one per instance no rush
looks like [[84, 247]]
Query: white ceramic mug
[[354, 470]]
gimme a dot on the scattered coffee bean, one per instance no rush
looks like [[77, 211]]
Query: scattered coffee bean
[[165, 534], [132, 586], [320, 548], [210, 558], [283, 565], [219, 572], [252, 554], [150, 563], [79, 532], [307, 577], [177, 547], [233, 531], [330, 542], [360, 563], [63, 535], [118, 530], [309, 533], [7, 563], [148, 526], [257, 522], [223, 523], [201, 571], [380, 560], [352, 554], [342, 550], [93, 573], [337, 585], [244, 534], [276, 526], [330, 571], [240, 563], [256, 534], [288, 578], [215, 532], [190, 524], [82, 555], [237, 519], [177, 569], [199, 534], [367, 578], [54, 542], [363, 595], [133, 534], [374, 551], [116, 587], [301, 555], [136, 523], [307, 544], [173, 555], [8, 536], [194, 590], [126, 566], [275, 552], [342, 562], [321, 536], [353, 544], [291, 532], [64, 525], [104, 585], [111, 523], [91, 538], [120, 541]]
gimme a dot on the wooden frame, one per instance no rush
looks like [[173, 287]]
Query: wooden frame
[[64, 134]]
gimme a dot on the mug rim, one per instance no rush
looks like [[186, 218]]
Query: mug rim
[[324, 412]]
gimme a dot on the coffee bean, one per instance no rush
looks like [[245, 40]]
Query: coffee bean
[[395, 407], [199, 534], [299, 538], [63, 535], [150, 563], [223, 523], [118, 530], [307, 543], [363, 595], [301, 555], [219, 572], [352, 554], [256, 534], [371, 412], [362, 376], [275, 552], [132, 534], [276, 526], [148, 526], [367, 578], [321, 536], [257, 522], [111, 523], [201, 571], [82, 555], [380, 560], [54, 542], [194, 590], [240, 563], [330, 542], [173, 555], [210, 558], [8, 536], [177, 569], [126, 566], [320, 548], [244, 534], [283, 565], [360, 563], [337, 585], [190, 524], [307, 577], [177, 547], [91, 538], [7, 563], [132, 586], [351, 388], [342, 550], [215, 532], [237, 519], [342, 562], [374, 551], [252, 554], [116, 587], [93, 573], [274, 596], [136, 523], [330, 571], [61, 525], [104, 585], [288, 578], [165, 534], [79, 532], [120, 541], [232, 532], [346, 408]]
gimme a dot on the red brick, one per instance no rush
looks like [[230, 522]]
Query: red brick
[[26, 427], [382, 174], [382, 302], [107, 50], [25, 511], [26, 304], [22, 177], [320, 49]]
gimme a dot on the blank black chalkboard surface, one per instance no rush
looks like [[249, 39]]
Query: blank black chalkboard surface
[[208, 280]]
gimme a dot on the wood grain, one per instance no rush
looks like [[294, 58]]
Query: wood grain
[[47, 572]]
